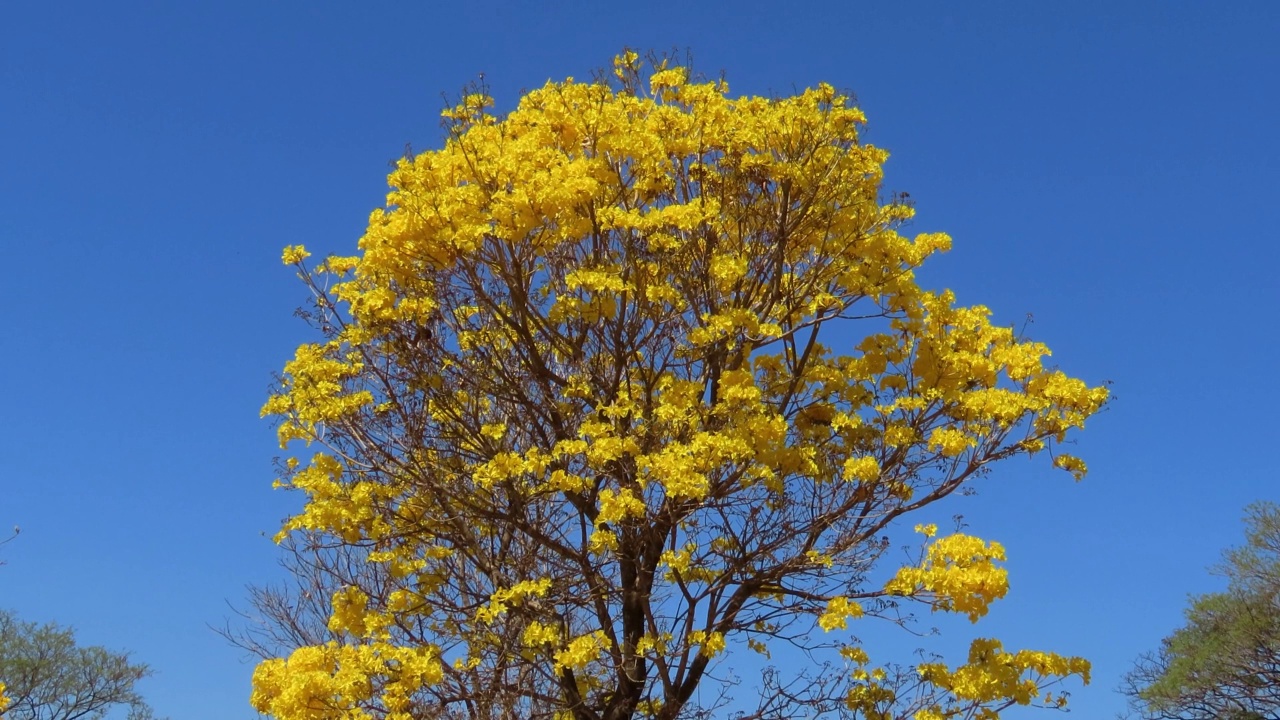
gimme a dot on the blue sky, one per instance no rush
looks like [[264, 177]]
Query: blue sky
[[1111, 168]]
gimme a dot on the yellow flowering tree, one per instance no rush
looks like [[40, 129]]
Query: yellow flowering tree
[[631, 376]]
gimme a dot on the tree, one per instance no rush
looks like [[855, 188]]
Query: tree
[[578, 424], [1225, 661], [5, 701], [46, 676]]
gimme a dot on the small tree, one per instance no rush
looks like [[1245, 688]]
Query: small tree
[[588, 409], [1225, 662], [46, 676]]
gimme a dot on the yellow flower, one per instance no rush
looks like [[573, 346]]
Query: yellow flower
[[839, 610], [294, 254], [959, 574], [582, 650]]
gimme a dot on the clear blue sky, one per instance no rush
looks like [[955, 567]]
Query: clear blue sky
[[1111, 168]]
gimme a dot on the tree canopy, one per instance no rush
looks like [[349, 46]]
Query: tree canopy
[[45, 675], [1225, 661], [631, 377]]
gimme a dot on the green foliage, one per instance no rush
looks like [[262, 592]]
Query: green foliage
[[48, 677], [1225, 662]]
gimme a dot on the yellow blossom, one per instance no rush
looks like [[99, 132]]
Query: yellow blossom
[[294, 254], [959, 574], [839, 610]]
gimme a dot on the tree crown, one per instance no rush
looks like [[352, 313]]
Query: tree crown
[[585, 420], [45, 675], [1225, 661]]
